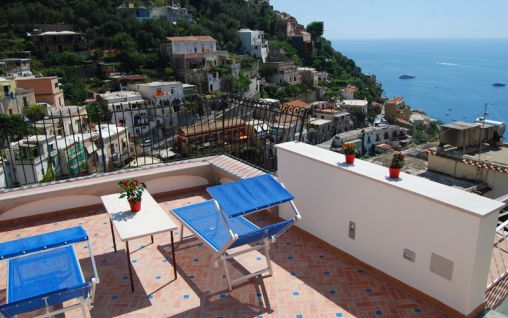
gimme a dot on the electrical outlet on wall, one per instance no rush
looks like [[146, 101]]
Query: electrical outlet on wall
[[352, 230], [409, 255]]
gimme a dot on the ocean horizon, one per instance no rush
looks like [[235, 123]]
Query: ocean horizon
[[453, 77]]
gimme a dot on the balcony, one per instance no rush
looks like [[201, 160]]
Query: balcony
[[324, 266], [367, 246]]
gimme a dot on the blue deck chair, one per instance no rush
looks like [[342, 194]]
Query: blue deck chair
[[43, 271], [220, 223]]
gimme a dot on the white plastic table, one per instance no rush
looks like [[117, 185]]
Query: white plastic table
[[150, 220]]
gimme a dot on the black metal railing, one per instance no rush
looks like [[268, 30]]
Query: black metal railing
[[78, 141]]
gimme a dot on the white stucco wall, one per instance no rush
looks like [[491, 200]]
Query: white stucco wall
[[87, 192], [193, 47], [392, 215]]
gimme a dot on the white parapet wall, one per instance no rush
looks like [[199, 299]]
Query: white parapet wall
[[450, 227]]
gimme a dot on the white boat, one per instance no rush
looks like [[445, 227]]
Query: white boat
[[406, 76]]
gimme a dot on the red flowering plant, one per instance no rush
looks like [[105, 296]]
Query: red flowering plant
[[397, 160], [132, 189], [349, 149]]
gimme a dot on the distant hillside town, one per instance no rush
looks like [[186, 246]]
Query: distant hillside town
[[93, 96]]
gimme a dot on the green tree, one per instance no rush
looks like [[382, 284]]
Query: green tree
[[35, 113], [50, 172], [98, 113], [75, 90], [316, 29], [242, 83], [13, 128]]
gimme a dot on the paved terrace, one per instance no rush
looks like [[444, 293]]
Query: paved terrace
[[309, 279]]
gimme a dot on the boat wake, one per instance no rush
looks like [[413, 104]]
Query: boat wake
[[449, 64]]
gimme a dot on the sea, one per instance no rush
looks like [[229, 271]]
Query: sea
[[453, 78]]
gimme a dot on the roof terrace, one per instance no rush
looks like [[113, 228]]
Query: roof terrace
[[318, 270], [367, 245]]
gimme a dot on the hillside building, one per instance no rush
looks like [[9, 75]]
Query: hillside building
[[46, 89], [254, 43], [172, 13], [59, 42]]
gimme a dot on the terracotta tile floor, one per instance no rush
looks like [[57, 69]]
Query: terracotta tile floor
[[308, 280]]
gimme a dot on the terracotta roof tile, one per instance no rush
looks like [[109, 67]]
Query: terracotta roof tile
[[197, 38]]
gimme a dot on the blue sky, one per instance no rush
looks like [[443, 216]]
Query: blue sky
[[382, 19]]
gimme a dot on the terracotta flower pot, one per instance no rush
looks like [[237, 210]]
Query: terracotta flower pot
[[350, 158], [135, 207], [394, 172]]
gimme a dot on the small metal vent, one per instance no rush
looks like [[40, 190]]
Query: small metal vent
[[441, 266]]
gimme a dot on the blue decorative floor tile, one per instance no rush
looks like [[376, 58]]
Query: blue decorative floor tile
[[96, 234], [157, 277], [290, 257], [321, 256], [299, 316], [326, 273], [104, 222], [368, 290], [418, 309], [125, 277], [186, 296], [191, 277], [104, 261], [150, 297], [114, 297], [258, 258], [332, 292], [18, 234], [339, 314], [379, 313], [360, 270], [258, 295], [222, 296], [293, 274], [196, 260], [134, 261], [164, 260], [296, 294]]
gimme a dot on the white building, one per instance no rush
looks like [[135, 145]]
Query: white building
[[366, 139], [355, 106], [189, 44], [129, 110], [349, 92], [283, 72], [171, 13], [254, 43], [167, 97], [319, 130], [340, 118], [213, 81], [160, 93], [30, 157], [108, 146]]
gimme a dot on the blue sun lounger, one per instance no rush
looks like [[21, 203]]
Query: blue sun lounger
[[220, 223], [43, 271]]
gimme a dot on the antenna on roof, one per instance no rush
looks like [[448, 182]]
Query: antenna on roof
[[481, 131]]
